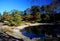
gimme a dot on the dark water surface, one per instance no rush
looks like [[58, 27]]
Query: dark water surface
[[39, 31], [32, 35]]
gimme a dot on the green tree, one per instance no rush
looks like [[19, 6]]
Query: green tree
[[0, 17], [47, 18], [28, 16], [38, 17], [35, 9], [16, 18], [5, 16]]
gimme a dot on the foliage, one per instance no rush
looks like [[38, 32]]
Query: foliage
[[28, 16], [6, 16], [38, 17], [35, 9], [15, 19], [0, 17], [47, 18]]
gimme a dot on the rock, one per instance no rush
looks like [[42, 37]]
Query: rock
[[4, 37], [35, 39]]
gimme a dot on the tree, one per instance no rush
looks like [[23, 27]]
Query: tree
[[0, 17], [38, 17], [47, 18], [16, 18], [35, 9], [5, 16], [49, 9], [28, 16]]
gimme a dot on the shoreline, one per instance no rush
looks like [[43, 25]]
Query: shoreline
[[16, 31]]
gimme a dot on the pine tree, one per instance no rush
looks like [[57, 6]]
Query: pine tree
[[28, 16], [16, 18], [38, 17]]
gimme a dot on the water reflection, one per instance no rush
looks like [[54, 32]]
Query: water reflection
[[41, 31]]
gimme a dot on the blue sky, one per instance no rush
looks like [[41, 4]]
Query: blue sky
[[21, 5]]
